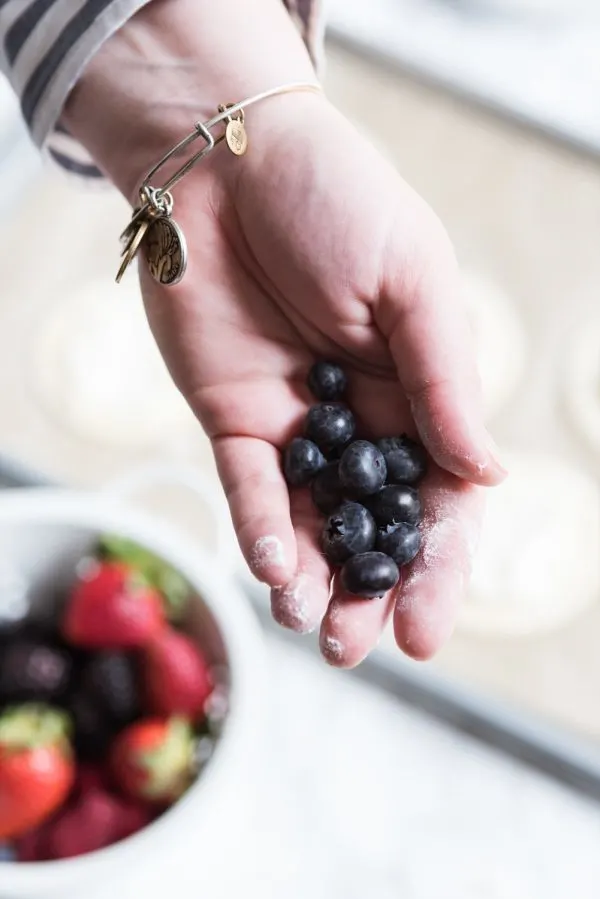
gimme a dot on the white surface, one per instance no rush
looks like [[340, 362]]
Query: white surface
[[581, 380], [537, 565], [366, 799], [543, 72], [565, 9], [9, 108], [19, 160]]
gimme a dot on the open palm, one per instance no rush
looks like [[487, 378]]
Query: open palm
[[312, 247]]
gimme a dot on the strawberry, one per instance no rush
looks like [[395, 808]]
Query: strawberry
[[176, 675], [94, 818], [33, 845], [90, 778], [36, 770], [112, 607], [153, 759], [89, 824], [133, 816]]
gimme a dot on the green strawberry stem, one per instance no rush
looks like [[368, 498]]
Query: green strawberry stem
[[31, 725], [155, 571], [170, 765]]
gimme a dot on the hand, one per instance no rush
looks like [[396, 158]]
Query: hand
[[312, 247]]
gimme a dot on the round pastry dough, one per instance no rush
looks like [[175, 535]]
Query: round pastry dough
[[499, 340], [100, 373], [582, 384], [538, 564]]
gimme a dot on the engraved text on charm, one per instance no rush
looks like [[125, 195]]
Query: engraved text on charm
[[166, 251], [236, 137]]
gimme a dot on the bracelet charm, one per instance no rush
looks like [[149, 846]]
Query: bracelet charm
[[151, 226]]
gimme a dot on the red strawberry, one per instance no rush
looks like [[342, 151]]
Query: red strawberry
[[90, 824], [176, 675], [153, 759], [90, 779], [36, 770], [133, 816], [33, 845], [111, 607]]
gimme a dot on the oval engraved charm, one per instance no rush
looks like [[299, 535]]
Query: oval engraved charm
[[166, 251]]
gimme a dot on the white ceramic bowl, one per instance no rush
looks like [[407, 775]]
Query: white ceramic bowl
[[43, 532]]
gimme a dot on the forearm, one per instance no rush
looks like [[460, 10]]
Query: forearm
[[172, 64]]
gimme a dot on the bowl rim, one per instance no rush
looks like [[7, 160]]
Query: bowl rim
[[235, 621]]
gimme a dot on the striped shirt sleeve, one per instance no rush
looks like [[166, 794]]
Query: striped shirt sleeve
[[46, 44]]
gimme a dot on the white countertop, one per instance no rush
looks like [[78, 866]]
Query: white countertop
[[365, 797]]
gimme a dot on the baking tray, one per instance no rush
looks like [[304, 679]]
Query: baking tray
[[525, 738], [456, 47]]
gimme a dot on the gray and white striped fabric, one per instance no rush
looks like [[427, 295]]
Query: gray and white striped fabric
[[45, 45]]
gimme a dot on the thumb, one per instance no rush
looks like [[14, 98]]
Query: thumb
[[432, 345]]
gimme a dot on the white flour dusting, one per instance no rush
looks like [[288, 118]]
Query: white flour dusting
[[333, 650], [267, 551], [290, 605], [445, 540]]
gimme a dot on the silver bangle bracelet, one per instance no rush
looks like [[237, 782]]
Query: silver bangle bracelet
[[152, 226]]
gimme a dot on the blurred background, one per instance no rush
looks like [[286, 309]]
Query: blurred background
[[490, 109]]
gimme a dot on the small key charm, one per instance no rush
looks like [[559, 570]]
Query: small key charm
[[133, 238]]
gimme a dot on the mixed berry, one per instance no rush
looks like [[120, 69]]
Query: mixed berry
[[106, 711], [366, 489]]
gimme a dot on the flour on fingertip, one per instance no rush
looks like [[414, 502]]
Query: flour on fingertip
[[333, 650], [267, 552], [290, 605]]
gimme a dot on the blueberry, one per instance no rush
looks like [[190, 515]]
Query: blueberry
[[370, 574], [395, 503], [327, 381], [362, 469], [401, 542], [33, 671], [348, 530], [326, 489], [302, 459], [405, 458], [110, 680], [330, 426]]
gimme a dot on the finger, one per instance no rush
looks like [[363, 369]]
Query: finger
[[250, 472], [301, 603], [428, 598], [432, 346], [352, 627]]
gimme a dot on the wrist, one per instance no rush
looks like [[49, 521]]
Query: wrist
[[170, 66]]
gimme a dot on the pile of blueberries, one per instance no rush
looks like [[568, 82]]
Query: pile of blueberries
[[366, 490]]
